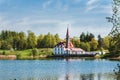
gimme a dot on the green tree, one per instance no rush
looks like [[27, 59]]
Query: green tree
[[93, 44], [53, 41], [21, 42], [40, 41], [75, 41], [34, 52], [106, 42], [15, 42], [56, 36], [0, 44], [5, 45], [82, 37], [86, 37], [115, 32], [47, 41], [100, 43], [31, 40], [85, 46], [91, 36]]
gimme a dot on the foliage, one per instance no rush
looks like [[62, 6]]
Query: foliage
[[86, 37], [32, 41], [100, 41], [93, 44], [75, 41], [115, 32], [106, 42], [19, 41], [34, 52], [85, 46]]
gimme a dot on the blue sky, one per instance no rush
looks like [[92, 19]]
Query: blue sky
[[43, 16]]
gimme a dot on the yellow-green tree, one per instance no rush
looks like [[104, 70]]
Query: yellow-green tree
[[75, 41], [93, 44], [85, 46], [106, 42]]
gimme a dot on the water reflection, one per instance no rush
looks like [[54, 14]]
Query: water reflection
[[78, 76], [117, 72], [75, 69]]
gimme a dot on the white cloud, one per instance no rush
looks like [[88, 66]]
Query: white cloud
[[91, 2], [47, 3], [96, 6], [36, 25], [53, 26], [90, 8]]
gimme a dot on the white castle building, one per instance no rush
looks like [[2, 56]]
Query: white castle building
[[66, 48]]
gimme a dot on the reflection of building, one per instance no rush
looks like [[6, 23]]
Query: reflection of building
[[65, 48]]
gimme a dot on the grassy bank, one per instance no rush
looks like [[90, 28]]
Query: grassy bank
[[41, 53], [26, 54]]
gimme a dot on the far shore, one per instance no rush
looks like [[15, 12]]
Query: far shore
[[14, 57]]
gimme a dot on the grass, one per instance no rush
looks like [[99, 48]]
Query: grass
[[27, 54]]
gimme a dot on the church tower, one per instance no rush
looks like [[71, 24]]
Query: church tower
[[67, 38]]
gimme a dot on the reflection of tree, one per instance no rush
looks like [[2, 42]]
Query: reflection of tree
[[117, 72], [87, 77]]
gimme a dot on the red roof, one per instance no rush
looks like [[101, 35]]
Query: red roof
[[77, 49]]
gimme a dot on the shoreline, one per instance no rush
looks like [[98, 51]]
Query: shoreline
[[42, 57]]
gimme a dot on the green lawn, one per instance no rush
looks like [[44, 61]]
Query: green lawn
[[27, 54]]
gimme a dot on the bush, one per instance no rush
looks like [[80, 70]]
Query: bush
[[34, 52], [3, 53]]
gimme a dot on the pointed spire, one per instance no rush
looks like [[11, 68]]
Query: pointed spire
[[67, 34], [67, 38]]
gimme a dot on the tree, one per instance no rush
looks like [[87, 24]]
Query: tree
[[93, 44], [106, 42], [75, 41], [34, 52], [53, 41], [82, 37], [85, 46], [40, 41], [31, 40], [22, 43], [57, 38], [86, 37], [100, 43], [91, 36], [46, 42], [5, 45], [115, 32]]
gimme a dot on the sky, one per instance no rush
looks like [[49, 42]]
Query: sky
[[54, 16]]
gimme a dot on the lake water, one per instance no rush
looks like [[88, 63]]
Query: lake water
[[72, 69]]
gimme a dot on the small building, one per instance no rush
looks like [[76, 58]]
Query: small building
[[66, 48]]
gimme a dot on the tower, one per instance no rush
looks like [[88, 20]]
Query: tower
[[67, 38]]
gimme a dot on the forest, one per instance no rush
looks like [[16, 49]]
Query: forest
[[11, 40], [20, 41]]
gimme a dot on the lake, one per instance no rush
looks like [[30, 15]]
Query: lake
[[57, 69]]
